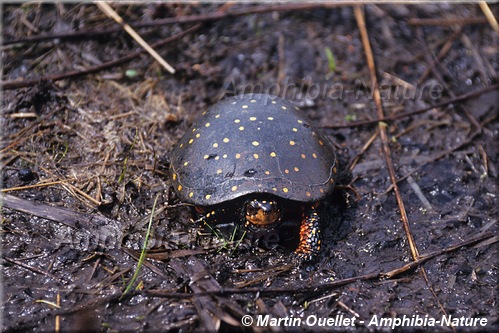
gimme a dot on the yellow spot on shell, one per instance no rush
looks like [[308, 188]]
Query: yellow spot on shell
[[274, 189], [300, 121], [226, 140], [273, 154], [255, 143], [198, 135], [185, 163], [181, 145], [285, 189], [334, 169], [270, 118], [217, 116], [191, 194], [295, 129], [241, 128], [321, 143], [238, 155], [215, 145], [253, 101], [273, 102], [252, 118], [256, 156], [267, 172], [207, 125], [245, 106], [233, 188], [296, 169], [207, 196], [206, 157], [224, 155], [314, 155], [217, 158], [237, 121], [303, 156], [283, 107], [191, 141], [219, 171], [286, 171], [174, 176], [292, 143], [179, 187], [308, 194]]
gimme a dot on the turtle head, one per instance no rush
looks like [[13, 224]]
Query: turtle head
[[261, 212]]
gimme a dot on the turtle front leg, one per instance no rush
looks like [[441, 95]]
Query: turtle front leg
[[206, 217], [310, 240]]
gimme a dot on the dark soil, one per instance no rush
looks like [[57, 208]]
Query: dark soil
[[84, 158]]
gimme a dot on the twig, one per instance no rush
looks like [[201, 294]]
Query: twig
[[20, 84], [436, 157], [181, 19], [422, 259], [485, 239], [448, 21], [31, 268], [112, 14], [362, 151], [359, 16], [391, 118], [443, 51], [15, 84], [429, 59], [482, 68]]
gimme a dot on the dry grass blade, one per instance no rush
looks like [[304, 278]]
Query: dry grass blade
[[15, 84], [112, 14], [20, 188], [489, 15], [359, 15]]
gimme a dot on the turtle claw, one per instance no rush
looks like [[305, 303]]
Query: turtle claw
[[302, 257]]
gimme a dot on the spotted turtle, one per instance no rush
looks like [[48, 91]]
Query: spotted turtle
[[256, 155]]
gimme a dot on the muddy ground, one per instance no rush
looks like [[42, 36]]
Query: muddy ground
[[84, 158]]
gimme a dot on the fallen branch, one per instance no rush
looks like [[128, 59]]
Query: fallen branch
[[100, 227], [484, 239], [394, 117], [215, 16], [16, 84]]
